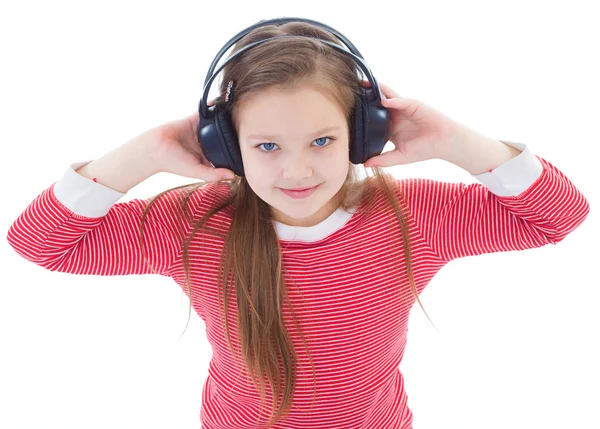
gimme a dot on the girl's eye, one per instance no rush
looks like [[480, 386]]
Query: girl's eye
[[269, 146], [323, 142]]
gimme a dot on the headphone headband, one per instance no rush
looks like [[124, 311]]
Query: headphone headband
[[277, 21], [358, 60], [353, 53]]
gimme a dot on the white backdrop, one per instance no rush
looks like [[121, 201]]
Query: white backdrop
[[519, 330]]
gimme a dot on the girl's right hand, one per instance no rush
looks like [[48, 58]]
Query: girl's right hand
[[178, 151]]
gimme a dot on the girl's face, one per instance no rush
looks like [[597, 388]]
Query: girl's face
[[284, 145]]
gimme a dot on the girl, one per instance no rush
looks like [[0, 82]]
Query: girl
[[305, 294]]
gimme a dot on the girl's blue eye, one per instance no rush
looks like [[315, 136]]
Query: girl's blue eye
[[320, 138], [266, 144]]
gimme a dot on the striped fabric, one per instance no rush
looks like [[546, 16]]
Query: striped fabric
[[347, 279]]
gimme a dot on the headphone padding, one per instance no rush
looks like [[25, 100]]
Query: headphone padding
[[226, 129], [359, 124]]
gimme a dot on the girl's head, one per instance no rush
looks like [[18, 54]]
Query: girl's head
[[284, 92]]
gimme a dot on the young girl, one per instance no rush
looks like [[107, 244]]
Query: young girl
[[305, 294]]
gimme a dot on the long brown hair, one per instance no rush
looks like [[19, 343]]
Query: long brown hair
[[251, 255]]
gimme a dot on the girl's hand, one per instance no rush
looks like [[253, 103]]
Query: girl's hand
[[418, 131], [178, 151]]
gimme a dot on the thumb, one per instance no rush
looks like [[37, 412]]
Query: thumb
[[387, 159], [207, 174], [224, 173], [194, 118]]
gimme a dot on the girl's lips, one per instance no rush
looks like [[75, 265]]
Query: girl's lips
[[299, 194], [299, 189]]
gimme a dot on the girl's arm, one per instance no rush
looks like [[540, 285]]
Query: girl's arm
[[77, 226], [524, 203]]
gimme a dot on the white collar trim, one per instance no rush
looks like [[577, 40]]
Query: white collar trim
[[316, 232]]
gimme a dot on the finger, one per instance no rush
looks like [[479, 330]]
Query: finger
[[194, 120], [224, 174], [212, 174], [383, 90], [397, 103], [389, 92], [386, 159]]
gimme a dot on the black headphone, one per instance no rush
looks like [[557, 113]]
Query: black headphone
[[370, 120]]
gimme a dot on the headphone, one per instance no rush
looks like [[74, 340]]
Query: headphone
[[370, 120]]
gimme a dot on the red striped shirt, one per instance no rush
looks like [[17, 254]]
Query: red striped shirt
[[350, 289]]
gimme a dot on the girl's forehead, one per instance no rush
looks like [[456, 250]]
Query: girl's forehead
[[273, 115]]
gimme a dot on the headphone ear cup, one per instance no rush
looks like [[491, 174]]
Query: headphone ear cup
[[229, 140], [372, 126], [359, 124]]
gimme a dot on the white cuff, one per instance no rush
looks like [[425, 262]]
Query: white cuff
[[83, 196], [515, 175]]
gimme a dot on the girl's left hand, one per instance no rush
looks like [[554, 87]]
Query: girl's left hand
[[418, 131]]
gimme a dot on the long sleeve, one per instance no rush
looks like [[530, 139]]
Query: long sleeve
[[524, 203], [76, 226]]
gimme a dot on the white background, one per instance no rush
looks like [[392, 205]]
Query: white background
[[519, 330]]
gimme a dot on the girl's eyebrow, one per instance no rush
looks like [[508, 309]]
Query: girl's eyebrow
[[315, 134]]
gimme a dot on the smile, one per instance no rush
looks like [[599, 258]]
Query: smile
[[300, 194]]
